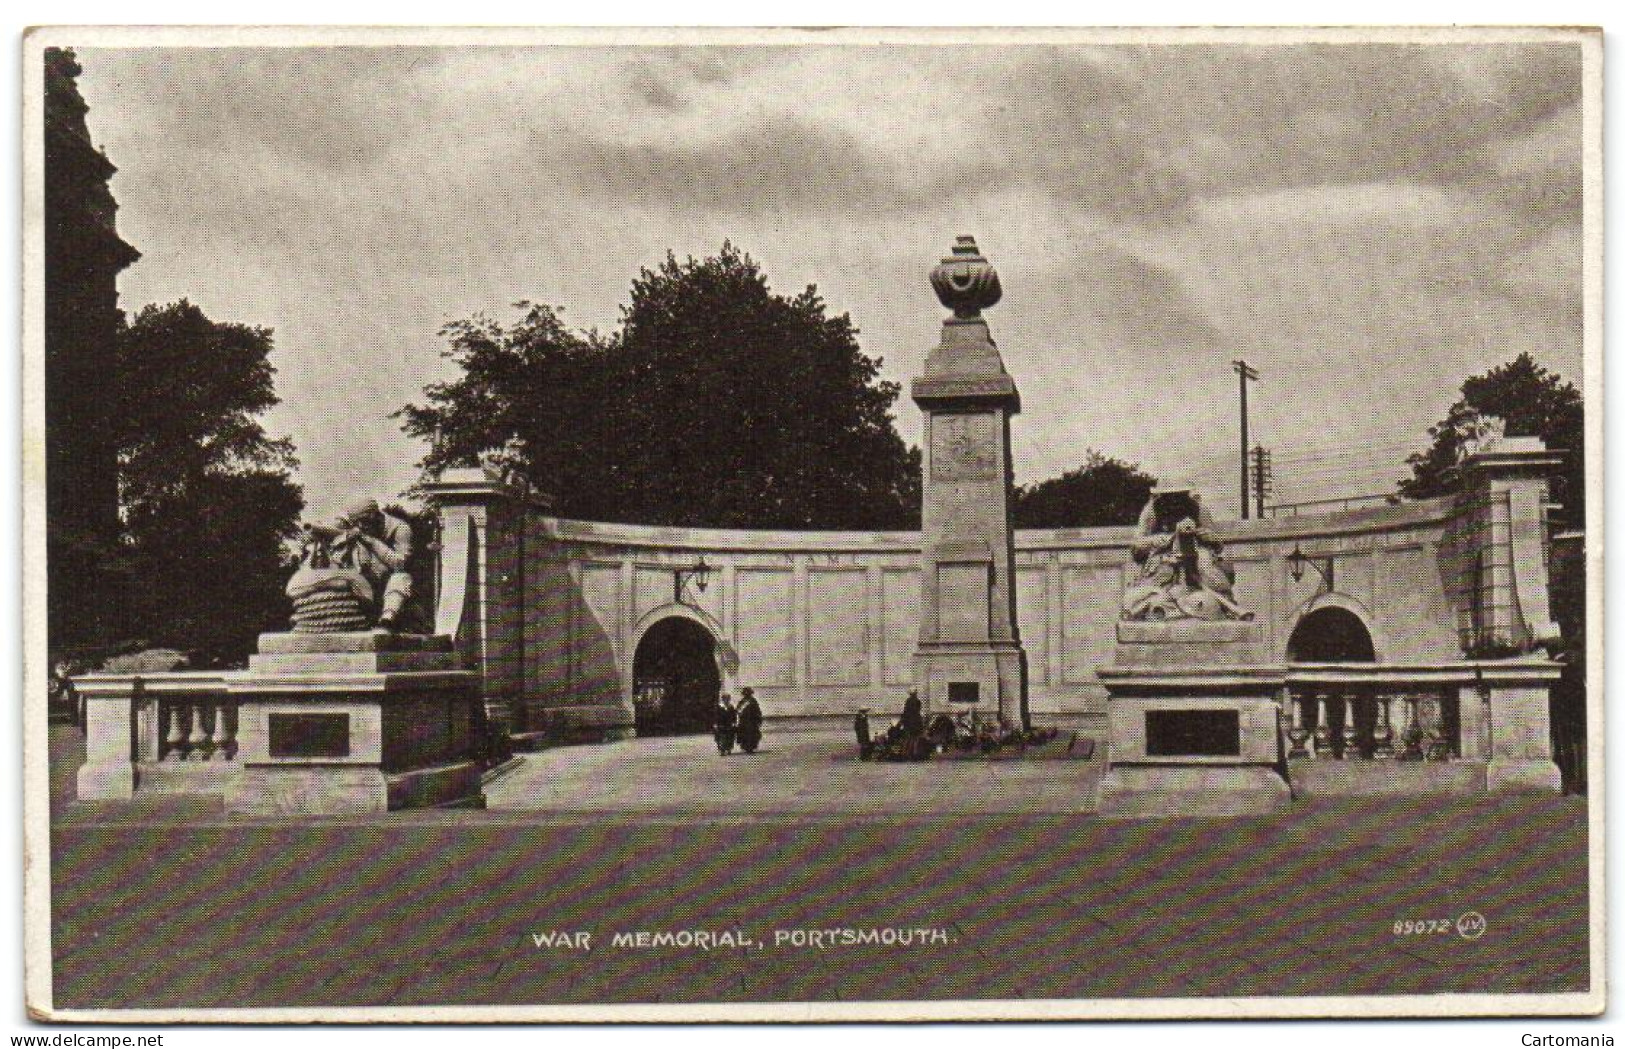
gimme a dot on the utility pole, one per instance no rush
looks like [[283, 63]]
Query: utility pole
[[1246, 372], [1263, 478]]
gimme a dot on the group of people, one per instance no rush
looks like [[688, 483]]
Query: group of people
[[905, 739], [740, 724]]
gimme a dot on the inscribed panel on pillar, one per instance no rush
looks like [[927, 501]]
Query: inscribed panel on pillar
[[900, 613], [765, 631], [965, 446], [837, 627], [543, 604], [601, 594], [1254, 589], [1355, 577], [597, 644], [652, 587], [1418, 621]]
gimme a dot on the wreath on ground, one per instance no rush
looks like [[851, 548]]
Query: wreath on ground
[[965, 733]]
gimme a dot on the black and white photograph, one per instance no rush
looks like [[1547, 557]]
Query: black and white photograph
[[797, 525]]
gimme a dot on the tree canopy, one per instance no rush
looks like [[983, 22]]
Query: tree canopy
[[1103, 491], [206, 496], [1529, 400], [715, 402]]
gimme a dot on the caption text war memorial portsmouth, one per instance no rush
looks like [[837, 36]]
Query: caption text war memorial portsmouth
[[1401, 647]]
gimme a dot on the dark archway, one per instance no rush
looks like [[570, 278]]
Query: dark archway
[[1343, 720], [1331, 635], [675, 680]]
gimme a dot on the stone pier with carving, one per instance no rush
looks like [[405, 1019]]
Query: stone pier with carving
[[1193, 721], [354, 723], [318, 725], [339, 715]]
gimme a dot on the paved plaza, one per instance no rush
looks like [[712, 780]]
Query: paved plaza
[[806, 772], [157, 903]]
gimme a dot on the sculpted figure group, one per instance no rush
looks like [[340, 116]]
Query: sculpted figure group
[[1183, 573], [353, 574]]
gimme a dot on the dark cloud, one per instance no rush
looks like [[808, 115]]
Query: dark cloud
[[1408, 211], [1150, 129], [1143, 304], [667, 78], [779, 164]]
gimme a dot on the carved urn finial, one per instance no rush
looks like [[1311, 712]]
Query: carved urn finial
[[965, 281]]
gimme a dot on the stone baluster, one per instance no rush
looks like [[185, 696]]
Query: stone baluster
[[224, 738], [1296, 733], [1409, 732], [180, 730], [1351, 728], [200, 745], [1383, 737], [1435, 741], [1323, 729]]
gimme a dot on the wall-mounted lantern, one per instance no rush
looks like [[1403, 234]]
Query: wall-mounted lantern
[[1297, 560], [700, 573]]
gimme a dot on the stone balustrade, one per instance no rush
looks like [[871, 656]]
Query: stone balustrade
[[1375, 726], [197, 726], [139, 724]]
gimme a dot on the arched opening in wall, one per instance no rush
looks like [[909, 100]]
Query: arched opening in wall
[[1339, 722], [1331, 635], [675, 680]]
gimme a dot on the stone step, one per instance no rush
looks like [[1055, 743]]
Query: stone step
[[1156, 791]]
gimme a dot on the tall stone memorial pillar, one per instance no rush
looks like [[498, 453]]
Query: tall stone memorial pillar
[[969, 656]]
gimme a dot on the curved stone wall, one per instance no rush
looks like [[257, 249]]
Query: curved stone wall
[[820, 623]]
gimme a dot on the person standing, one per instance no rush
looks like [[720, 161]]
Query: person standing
[[750, 721], [727, 720], [860, 727], [913, 720]]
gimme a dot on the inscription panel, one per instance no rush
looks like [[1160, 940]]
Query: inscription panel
[[601, 594], [1032, 619], [962, 602], [900, 613], [766, 637], [1193, 733], [1090, 599], [838, 626], [308, 735]]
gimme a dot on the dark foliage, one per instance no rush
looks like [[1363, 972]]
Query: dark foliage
[[1103, 491], [83, 257], [1529, 400], [716, 402], [206, 496]]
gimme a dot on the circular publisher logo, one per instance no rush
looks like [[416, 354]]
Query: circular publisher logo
[[1471, 926]]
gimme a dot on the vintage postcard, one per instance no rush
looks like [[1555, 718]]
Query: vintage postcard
[[804, 525]]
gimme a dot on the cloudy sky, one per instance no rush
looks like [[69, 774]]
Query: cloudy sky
[[1366, 224]]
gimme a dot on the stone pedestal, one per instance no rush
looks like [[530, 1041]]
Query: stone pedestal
[[333, 724], [108, 773], [1521, 738], [969, 657], [1193, 719]]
